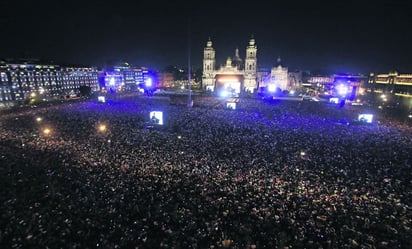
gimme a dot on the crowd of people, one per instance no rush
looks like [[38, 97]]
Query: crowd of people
[[286, 174]]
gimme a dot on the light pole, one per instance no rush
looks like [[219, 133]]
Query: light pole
[[189, 86]]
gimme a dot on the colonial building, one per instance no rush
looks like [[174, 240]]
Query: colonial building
[[235, 77], [394, 82], [279, 77], [23, 80]]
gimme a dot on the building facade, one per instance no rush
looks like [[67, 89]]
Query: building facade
[[23, 80], [235, 77], [121, 76], [279, 77], [396, 83]]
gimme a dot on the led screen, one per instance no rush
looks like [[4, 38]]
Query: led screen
[[367, 118], [156, 117]]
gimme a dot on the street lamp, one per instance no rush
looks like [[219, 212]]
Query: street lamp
[[46, 131]]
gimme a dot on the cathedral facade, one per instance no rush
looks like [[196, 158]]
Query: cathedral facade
[[235, 77]]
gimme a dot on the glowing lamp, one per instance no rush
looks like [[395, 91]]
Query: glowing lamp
[[46, 131], [102, 128]]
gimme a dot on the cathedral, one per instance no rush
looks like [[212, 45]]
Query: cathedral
[[235, 77]]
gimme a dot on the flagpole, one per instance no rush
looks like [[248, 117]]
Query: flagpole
[[189, 85]]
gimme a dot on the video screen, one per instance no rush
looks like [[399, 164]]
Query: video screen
[[367, 118], [334, 100], [156, 117], [231, 105], [210, 88], [101, 99]]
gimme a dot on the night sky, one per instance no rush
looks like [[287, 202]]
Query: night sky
[[332, 36]]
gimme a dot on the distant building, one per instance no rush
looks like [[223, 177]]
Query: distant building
[[21, 80], [121, 76], [354, 85], [263, 77], [279, 77], [399, 84], [167, 79], [295, 80], [235, 77]]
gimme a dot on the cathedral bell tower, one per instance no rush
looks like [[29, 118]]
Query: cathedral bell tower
[[251, 66], [209, 64]]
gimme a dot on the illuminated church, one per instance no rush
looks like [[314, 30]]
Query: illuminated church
[[235, 77]]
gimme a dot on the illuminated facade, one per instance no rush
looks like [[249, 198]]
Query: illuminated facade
[[279, 77], [399, 84], [123, 77], [235, 76], [24, 80], [355, 85], [327, 84]]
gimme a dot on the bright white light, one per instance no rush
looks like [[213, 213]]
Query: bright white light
[[38, 119], [101, 99], [224, 93], [148, 82], [342, 89], [272, 88], [112, 81]]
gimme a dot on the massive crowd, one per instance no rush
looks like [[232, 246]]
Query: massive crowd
[[285, 174]]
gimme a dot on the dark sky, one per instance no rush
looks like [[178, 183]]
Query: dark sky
[[336, 36]]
